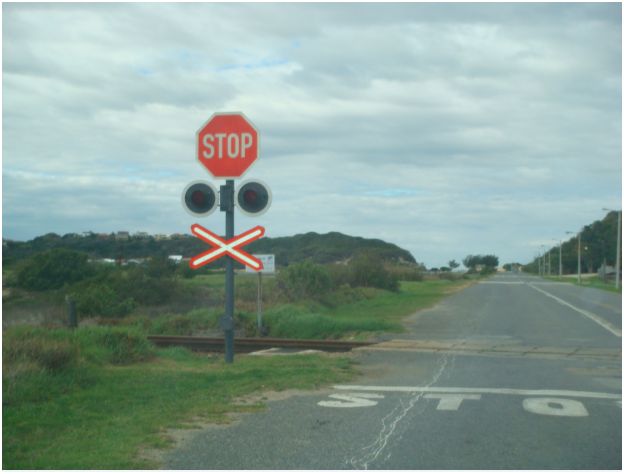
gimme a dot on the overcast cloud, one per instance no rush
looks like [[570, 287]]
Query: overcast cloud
[[448, 129]]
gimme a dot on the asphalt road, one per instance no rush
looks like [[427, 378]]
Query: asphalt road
[[512, 373]]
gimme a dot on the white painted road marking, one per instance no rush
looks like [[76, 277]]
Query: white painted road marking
[[451, 398], [453, 401], [554, 407], [493, 391], [351, 400], [597, 319], [501, 283]]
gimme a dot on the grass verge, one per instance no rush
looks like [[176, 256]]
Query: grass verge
[[371, 312], [93, 398], [93, 413], [588, 282]]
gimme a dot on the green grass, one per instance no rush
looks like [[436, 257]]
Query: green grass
[[92, 398], [362, 316], [589, 282], [100, 416]]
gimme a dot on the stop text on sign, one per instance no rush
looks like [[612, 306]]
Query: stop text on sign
[[227, 145], [232, 145]]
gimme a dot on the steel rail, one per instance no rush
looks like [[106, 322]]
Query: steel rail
[[216, 344]]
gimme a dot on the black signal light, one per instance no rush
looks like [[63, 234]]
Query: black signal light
[[253, 198], [199, 198]]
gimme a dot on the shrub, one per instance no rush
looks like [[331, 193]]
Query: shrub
[[121, 346], [136, 283], [487, 271], [368, 269], [304, 280], [48, 354], [62, 348], [102, 300], [53, 269], [340, 274], [449, 276], [406, 273], [45, 349], [295, 322]]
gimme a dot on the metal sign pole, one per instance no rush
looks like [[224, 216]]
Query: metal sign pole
[[227, 194]]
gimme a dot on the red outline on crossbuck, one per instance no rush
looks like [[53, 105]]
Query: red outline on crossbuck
[[221, 247]]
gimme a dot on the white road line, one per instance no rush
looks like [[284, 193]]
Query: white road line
[[493, 391], [597, 319], [501, 283]]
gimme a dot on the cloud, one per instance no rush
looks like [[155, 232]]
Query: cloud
[[448, 129]]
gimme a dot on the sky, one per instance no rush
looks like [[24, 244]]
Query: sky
[[447, 129]]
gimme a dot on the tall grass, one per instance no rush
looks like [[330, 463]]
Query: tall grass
[[98, 417], [291, 321]]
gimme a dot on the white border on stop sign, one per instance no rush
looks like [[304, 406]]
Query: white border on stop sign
[[253, 125]]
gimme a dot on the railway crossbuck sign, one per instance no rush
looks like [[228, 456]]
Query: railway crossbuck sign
[[227, 145], [230, 247]]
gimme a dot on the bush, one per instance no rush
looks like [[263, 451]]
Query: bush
[[45, 353], [136, 283], [117, 345], [304, 280], [53, 269], [340, 274], [102, 300], [368, 269], [294, 322], [406, 273], [487, 271], [191, 323], [449, 276], [62, 348]]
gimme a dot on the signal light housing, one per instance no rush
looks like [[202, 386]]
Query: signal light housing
[[253, 198], [199, 198]]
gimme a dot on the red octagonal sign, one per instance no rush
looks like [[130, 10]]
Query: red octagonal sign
[[227, 145]]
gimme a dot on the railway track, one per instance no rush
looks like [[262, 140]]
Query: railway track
[[216, 344]]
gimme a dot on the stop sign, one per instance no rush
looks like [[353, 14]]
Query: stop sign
[[227, 144]]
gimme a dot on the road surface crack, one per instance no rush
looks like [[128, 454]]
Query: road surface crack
[[390, 422]]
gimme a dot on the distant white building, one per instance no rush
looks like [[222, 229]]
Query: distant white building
[[175, 258]]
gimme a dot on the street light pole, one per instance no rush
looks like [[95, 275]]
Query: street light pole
[[548, 262], [579, 254], [619, 244], [617, 258], [579, 258], [560, 267]]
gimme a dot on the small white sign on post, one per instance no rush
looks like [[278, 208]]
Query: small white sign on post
[[268, 266], [268, 262]]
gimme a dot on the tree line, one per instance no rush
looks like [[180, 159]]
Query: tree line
[[598, 247], [320, 248]]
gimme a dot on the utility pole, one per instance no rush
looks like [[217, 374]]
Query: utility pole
[[560, 267], [549, 262], [619, 245], [579, 258], [579, 254]]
